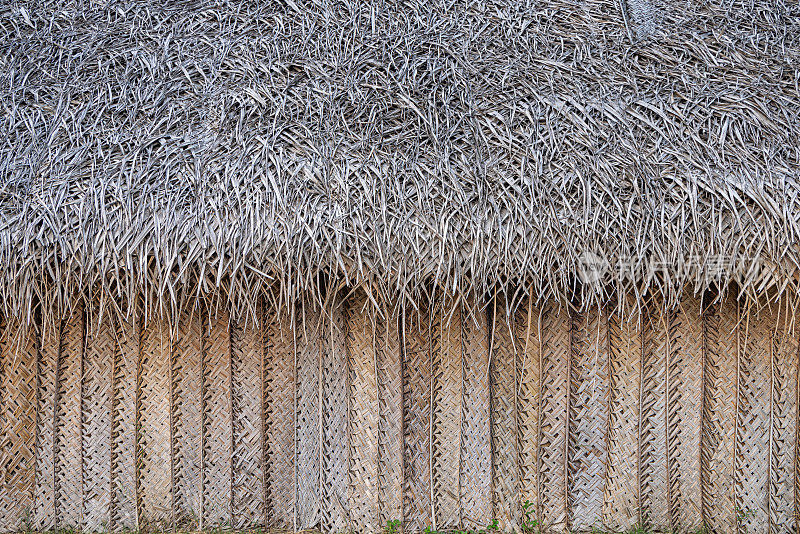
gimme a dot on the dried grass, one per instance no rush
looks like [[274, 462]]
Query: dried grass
[[169, 150]]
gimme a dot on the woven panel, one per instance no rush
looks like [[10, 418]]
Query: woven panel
[[446, 355], [335, 413], [307, 428], [217, 424], [528, 326], [186, 403], [676, 418], [553, 417], [417, 512], [652, 465], [753, 421], [620, 507], [390, 422], [684, 409], [279, 392], [797, 450], [17, 437], [96, 432], [504, 372], [69, 483], [5, 502], [123, 425], [247, 456], [364, 411], [476, 448], [719, 417], [783, 431], [588, 418], [44, 496], [153, 431]]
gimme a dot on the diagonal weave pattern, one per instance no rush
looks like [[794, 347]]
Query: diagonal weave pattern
[[783, 429], [279, 390], [623, 485], [186, 410], [18, 355], [719, 414], [247, 434], [528, 328], [96, 420], [127, 345], [454, 414], [553, 416], [588, 417], [390, 419], [752, 460], [336, 417], [505, 417], [363, 415], [446, 415], [417, 407], [307, 430], [652, 462], [476, 448], [153, 431], [217, 426], [69, 466], [44, 497]]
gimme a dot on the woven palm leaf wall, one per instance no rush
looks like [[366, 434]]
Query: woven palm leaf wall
[[448, 414]]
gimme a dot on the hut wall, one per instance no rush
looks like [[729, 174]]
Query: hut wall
[[447, 416]]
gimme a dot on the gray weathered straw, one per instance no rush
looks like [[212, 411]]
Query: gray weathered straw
[[174, 149]]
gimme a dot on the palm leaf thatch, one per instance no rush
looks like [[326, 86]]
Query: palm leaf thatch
[[179, 149]]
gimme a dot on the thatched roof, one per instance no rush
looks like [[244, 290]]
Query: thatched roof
[[182, 148]]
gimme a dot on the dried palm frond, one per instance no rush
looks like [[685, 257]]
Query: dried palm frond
[[182, 150]]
